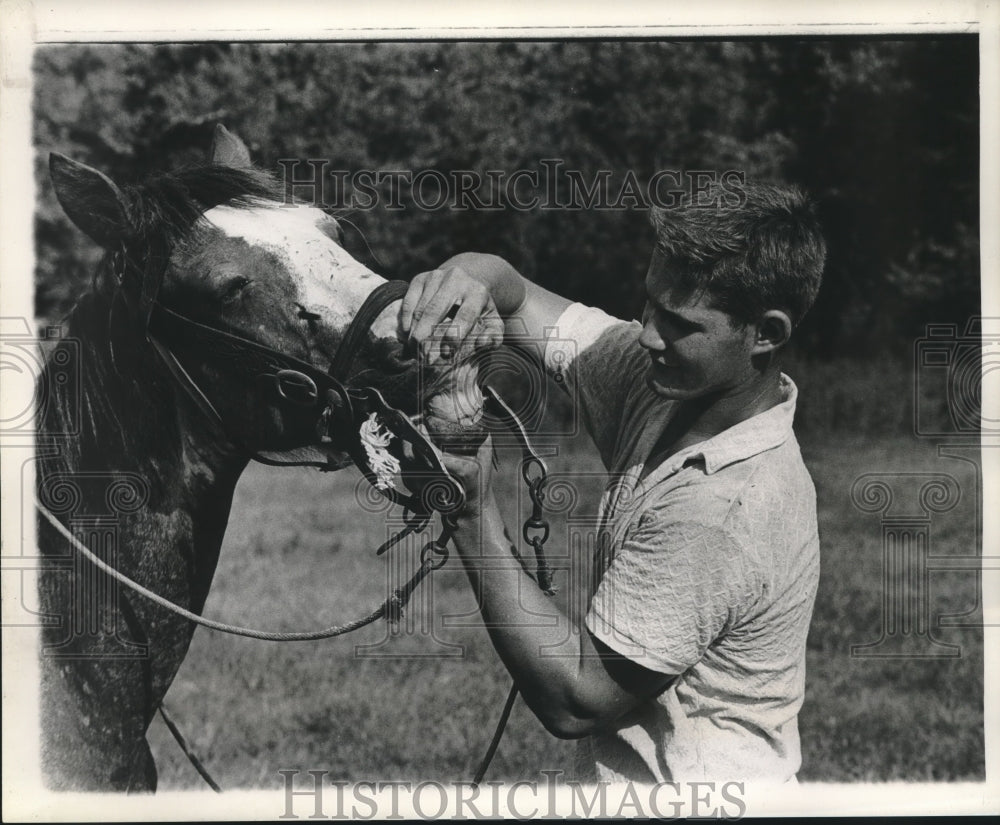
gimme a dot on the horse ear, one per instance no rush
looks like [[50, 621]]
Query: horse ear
[[90, 199], [229, 150]]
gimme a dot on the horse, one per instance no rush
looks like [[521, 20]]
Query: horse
[[205, 272]]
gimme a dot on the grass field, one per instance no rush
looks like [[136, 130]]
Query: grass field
[[421, 704]]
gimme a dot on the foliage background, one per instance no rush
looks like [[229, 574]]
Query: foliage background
[[882, 133]]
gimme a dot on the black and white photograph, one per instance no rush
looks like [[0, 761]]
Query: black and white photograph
[[554, 415]]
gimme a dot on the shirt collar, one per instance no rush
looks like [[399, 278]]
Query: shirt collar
[[755, 435]]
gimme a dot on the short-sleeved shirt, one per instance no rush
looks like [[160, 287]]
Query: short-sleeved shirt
[[709, 571]]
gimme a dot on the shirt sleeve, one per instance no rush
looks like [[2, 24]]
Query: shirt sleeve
[[597, 360], [670, 591]]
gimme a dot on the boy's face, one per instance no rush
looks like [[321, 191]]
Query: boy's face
[[695, 351]]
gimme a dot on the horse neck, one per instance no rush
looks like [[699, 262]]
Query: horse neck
[[126, 417], [124, 461]]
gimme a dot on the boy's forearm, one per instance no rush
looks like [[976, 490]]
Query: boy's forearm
[[542, 656]]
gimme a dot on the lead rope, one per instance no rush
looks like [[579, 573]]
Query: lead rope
[[194, 760], [391, 609]]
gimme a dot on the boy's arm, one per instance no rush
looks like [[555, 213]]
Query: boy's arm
[[573, 683], [582, 686]]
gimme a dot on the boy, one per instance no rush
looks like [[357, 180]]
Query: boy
[[690, 662]]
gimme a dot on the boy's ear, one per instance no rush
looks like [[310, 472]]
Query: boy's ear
[[773, 331]]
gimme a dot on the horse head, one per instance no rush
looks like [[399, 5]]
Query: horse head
[[223, 248]]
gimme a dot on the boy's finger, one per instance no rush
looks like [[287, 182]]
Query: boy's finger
[[434, 308], [411, 300]]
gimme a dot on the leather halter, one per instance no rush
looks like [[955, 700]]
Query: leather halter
[[336, 409]]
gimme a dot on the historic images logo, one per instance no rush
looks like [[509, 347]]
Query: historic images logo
[[951, 370], [314, 795], [549, 186]]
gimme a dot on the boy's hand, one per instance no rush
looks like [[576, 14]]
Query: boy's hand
[[446, 309]]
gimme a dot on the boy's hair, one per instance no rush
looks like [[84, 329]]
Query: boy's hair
[[765, 251]]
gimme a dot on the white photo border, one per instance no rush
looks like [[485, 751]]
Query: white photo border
[[24, 26]]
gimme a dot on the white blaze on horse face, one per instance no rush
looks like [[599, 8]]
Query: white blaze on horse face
[[327, 279]]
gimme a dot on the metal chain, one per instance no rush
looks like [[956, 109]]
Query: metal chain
[[433, 556], [537, 522]]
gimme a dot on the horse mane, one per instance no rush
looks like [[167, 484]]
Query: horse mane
[[119, 384], [164, 210], [169, 204]]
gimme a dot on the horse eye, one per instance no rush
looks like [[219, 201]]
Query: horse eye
[[234, 286]]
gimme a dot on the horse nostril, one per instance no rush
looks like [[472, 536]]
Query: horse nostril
[[306, 315]]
